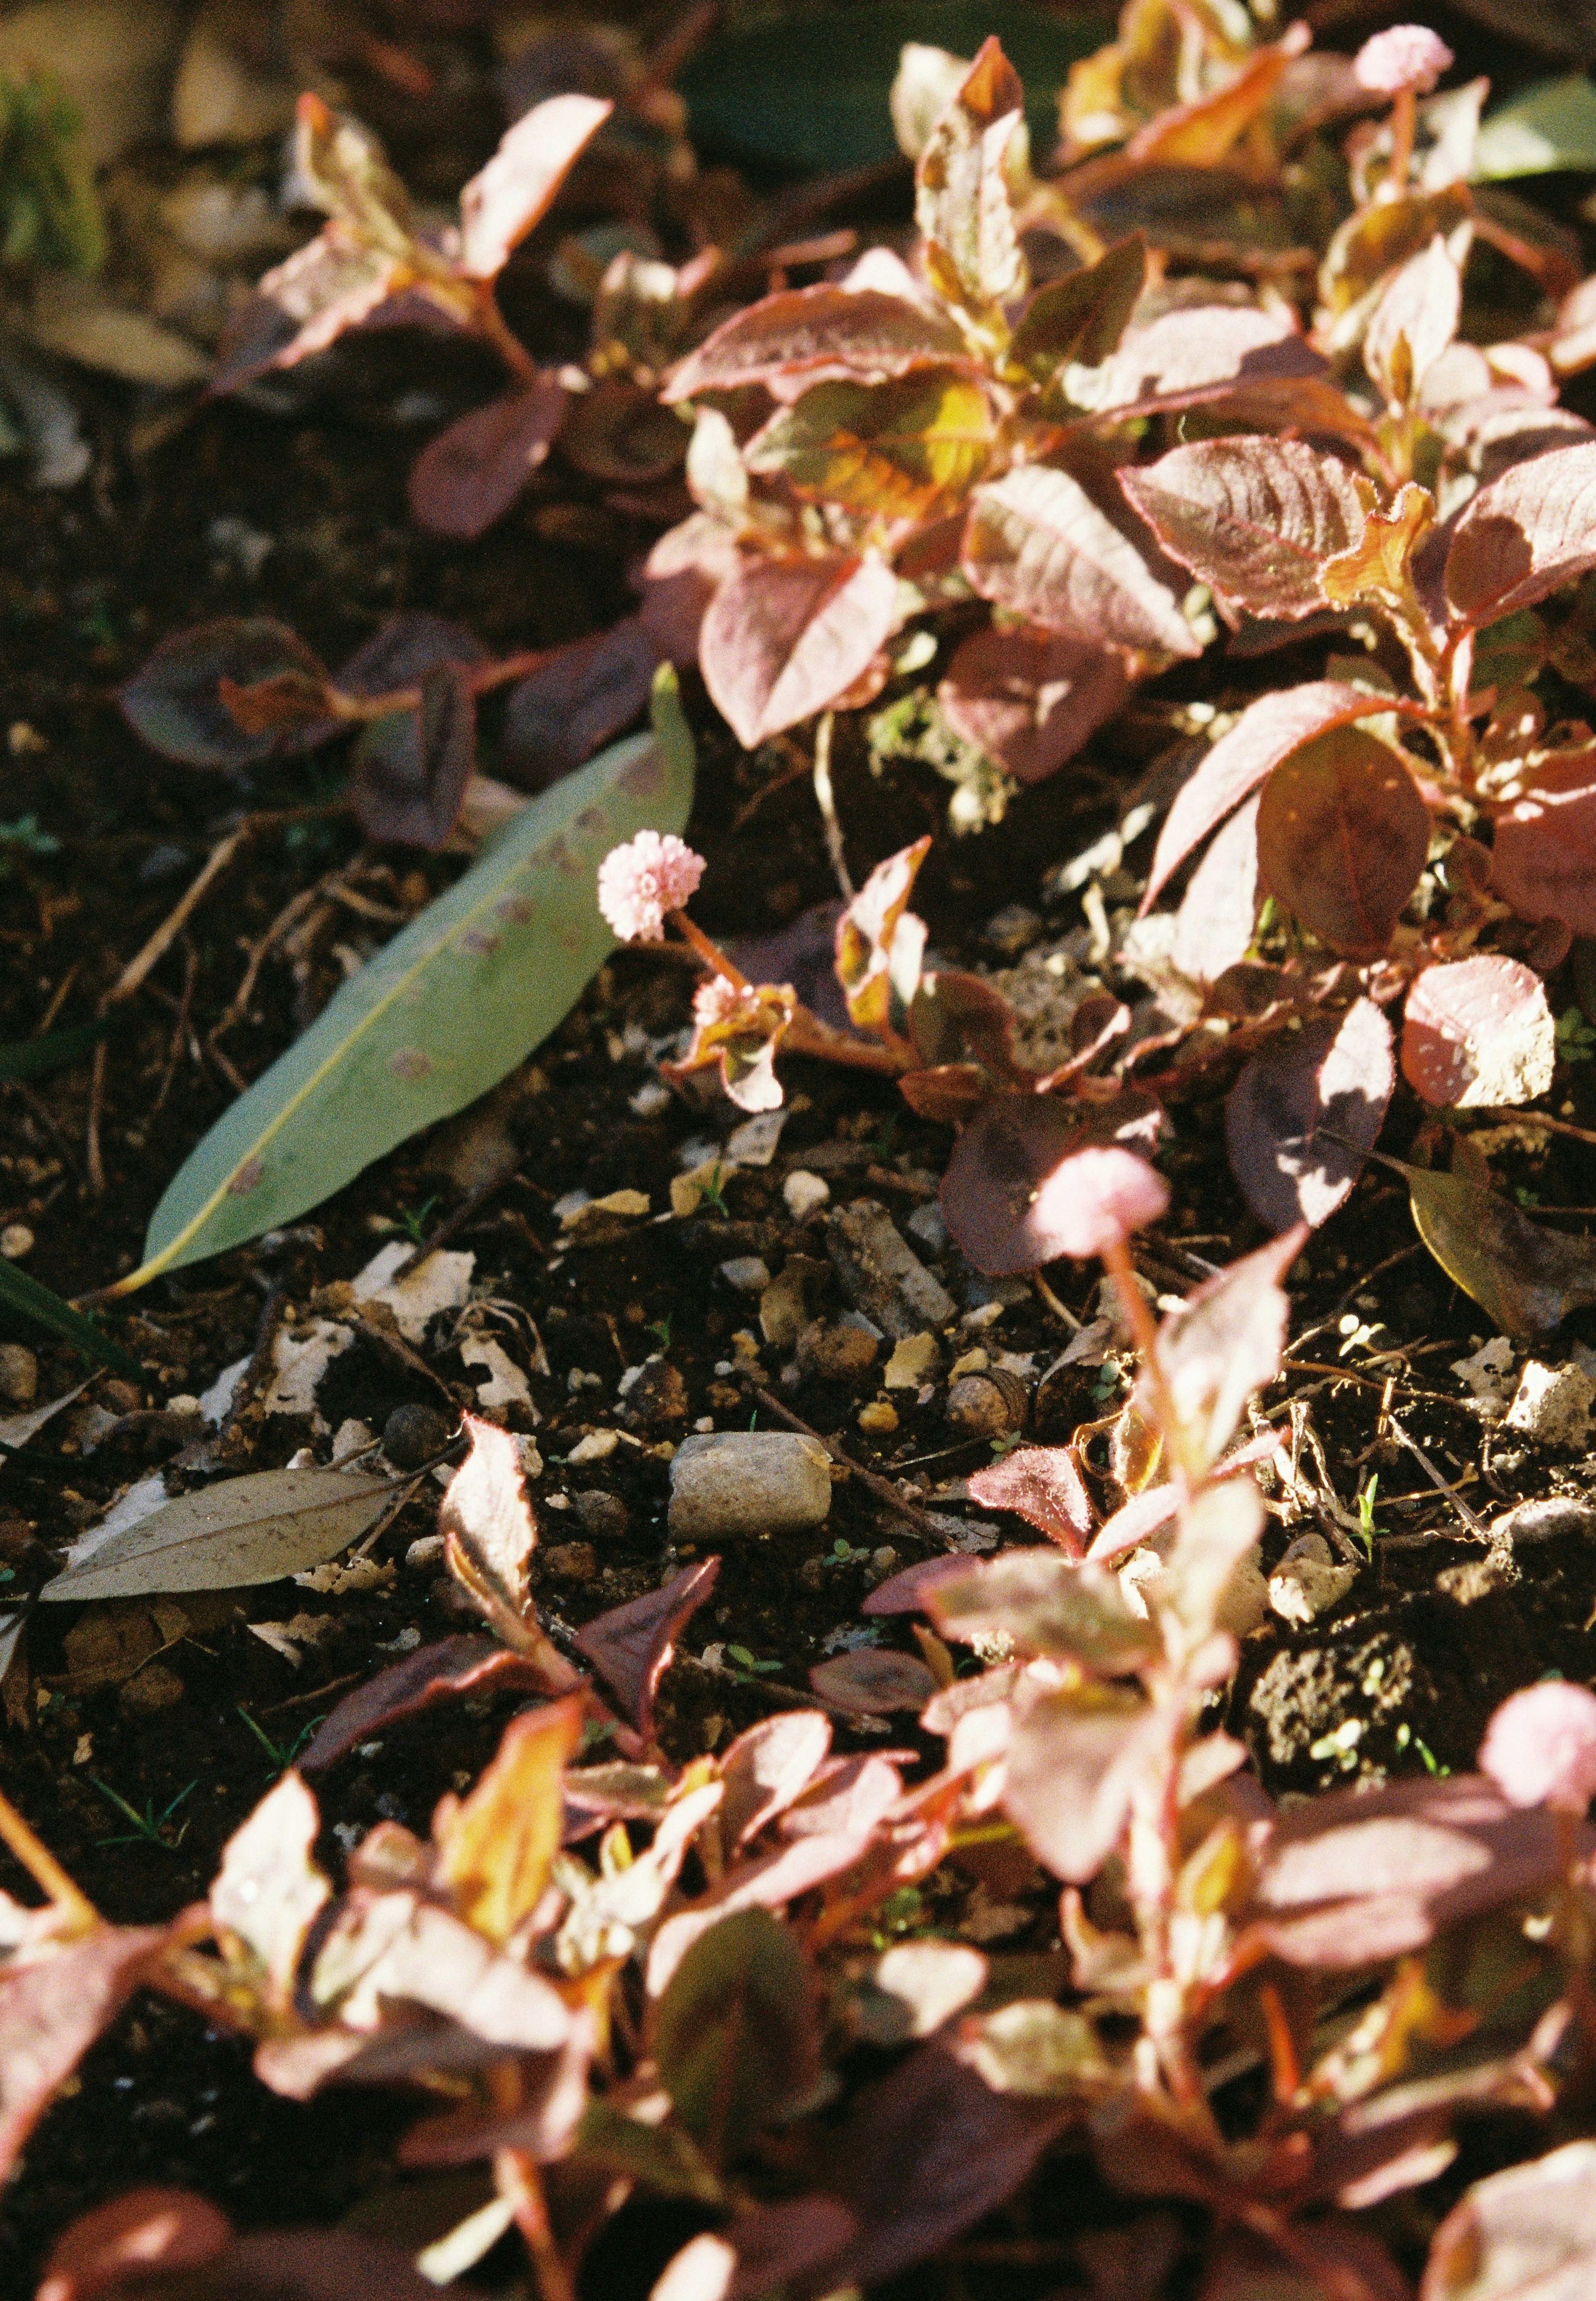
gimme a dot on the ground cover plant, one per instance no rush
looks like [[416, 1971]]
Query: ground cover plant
[[800, 1370]]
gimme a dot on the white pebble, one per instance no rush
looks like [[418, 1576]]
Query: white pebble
[[804, 1192]]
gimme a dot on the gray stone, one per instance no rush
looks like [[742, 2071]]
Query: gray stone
[[19, 1374], [748, 1273], [1549, 1517], [602, 1514], [881, 1276], [737, 1482], [926, 1225], [413, 1435]]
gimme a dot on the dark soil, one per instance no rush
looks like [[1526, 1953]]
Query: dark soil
[[1401, 1675]]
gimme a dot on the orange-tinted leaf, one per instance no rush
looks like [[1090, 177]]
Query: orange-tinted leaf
[[505, 199], [1524, 535], [408, 789], [1379, 565], [1037, 544], [335, 282], [1200, 133], [880, 943], [736, 1029], [1254, 518], [496, 1845], [1342, 838], [962, 200], [784, 637], [1029, 698], [1305, 1113], [174, 700], [146, 2233], [1267, 732], [1526, 1278], [631, 1646], [1478, 1032], [1032, 1178], [806, 335], [343, 164], [901, 450], [472, 472], [1544, 858], [1044, 1486]]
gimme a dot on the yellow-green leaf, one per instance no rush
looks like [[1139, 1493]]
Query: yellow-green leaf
[[898, 450]]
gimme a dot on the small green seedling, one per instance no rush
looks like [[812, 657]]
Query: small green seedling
[[149, 1828], [282, 1754]]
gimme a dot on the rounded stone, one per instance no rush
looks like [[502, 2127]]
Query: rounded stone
[[572, 1561], [413, 1435], [604, 1515], [19, 1374], [725, 1483], [840, 1353], [983, 1406]]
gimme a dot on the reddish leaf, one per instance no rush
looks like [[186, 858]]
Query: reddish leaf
[[1223, 1346], [631, 1646], [145, 2233], [268, 1891], [1342, 838], [1033, 1178], [1525, 2234], [1218, 915], [1267, 732], [1075, 1761], [784, 637], [405, 650], [873, 1684], [769, 1884], [768, 1767], [174, 701], [578, 699], [812, 335], [316, 2265], [1413, 322], [1357, 1876], [55, 2003], [1048, 1605], [440, 1672], [955, 1017], [734, 2037], [907, 1591], [1080, 318], [1543, 859], [1037, 544], [1133, 1521], [1305, 1112], [1185, 357], [618, 434], [1044, 1486], [409, 774], [1523, 535], [503, 200], [853, 1796], [1029, 698], [471, 472], [963, 205], [1478, 1032], [1254, 518]]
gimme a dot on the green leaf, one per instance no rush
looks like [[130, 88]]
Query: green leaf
[[26, 1059], [807, 86], [36, 1304], [734, 2034], [441, 1013], [1547, 128]]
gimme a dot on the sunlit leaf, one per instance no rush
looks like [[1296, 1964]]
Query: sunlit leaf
[[769, 1766], [495, 1846], [1549, 126], [1342, 836], [804, 336], [1037, 544], [1254, 518], [962, 203], [1544, 853], [333, 283], [1527, 2232], [440, 1014], [1044, 1486], [1378, 565], [785, 637], [1305, 1113], [1528, 532], [1414, 322], [503, 200], [1226, 1345], [880, 943], [1218, 914], [1200, 133], [875, 1683], [1184, 358], [1079, 319], [901, 450], [1074, 1761], [1478, 1032], [244, 1530], [1047, 1605], [269, 1890]]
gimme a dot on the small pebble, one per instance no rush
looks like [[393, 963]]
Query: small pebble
[[602, 1514], [426, 1549], [837, 1353], [972, 1362], [19, 1374], [913, 1361], [572, 1561], [804, 1192], [1308, 1581], [1552, 1404], [352, 1437], [16, 1240], [926, 1225], [654, 1396], [413, 1435], [879, 1418], [739, 1482], [881, 1274], [748, 1273], [598, 1446]]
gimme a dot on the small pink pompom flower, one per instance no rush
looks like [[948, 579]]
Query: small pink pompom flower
[[717, 1002], [639, 883], [1409, 55], [1540, 1748]]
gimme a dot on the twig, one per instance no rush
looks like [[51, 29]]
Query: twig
[[468, 1205], [184, 1001], [825, 800], [58, 999], [1061, 1310], [1367, 1382], [92, 1160], [239, 1001], [884, 1490], [1475, 1525], [261, 1357]]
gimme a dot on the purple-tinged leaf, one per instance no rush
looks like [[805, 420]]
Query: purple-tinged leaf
[[1147, 1511], [770, 1766], [473, 471], [335, 282], [783, 637], [1305, 1112], [1029, 698], [1036, 543], [1044, 1486], [907, 1591], [577, 699], [1543, 856], [1478, 1032], [631, 1646], [441, 1672], [1528, 532], [1266, 733], [405, 650], [1254, 518], [1185, 357], [1218, 915], [873, 1684], [1048, 1605], [503, 200], [812, 335], [1075, 1762], [764, 2250], [1032, 1178], [1525, 2234], [407, 782], [852, 1797], [174, 700], [1342, 835], [56, 2000]]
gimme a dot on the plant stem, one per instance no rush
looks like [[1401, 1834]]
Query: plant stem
[[43, 1868], [515, 2172]]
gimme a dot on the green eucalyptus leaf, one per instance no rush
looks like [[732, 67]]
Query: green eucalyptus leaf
[[41, 1308], [1545, 128], [442, 1012]]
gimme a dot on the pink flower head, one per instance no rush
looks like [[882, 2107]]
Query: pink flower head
[[1095, 1198], [1540, 1748], [639, 883], [1409, 55], [717, 1002]]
